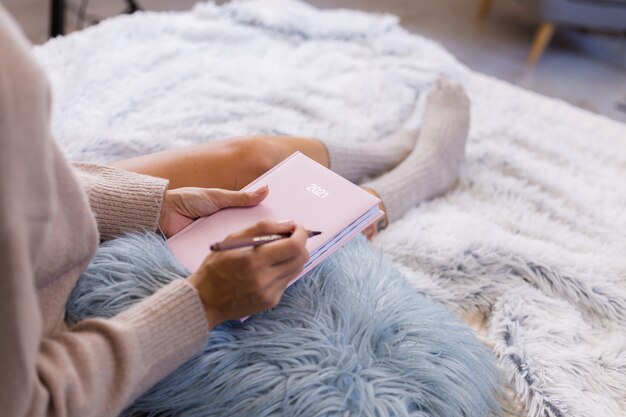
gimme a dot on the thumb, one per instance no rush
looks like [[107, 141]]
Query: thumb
[[228, 198]]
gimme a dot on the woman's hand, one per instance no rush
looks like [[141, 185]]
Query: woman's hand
[[237, 283], [182, 206]]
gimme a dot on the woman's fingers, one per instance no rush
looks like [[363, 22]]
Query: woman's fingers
[[278, 277], [283, 275], [275, 263], [227, 198], [287, 270], [284, 249], [370, 232], [264, 227], [199, 202], [290, 267], [279, 274]]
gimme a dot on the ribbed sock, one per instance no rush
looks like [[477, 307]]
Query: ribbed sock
[[433, 165], [355, 161]]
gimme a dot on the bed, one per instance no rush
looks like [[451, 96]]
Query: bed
[[528, 247]]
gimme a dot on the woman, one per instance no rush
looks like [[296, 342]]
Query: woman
[[53, 214]]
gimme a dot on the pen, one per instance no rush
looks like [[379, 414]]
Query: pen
[[255, 241]]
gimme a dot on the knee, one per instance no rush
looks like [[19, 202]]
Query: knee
[[256, 153]]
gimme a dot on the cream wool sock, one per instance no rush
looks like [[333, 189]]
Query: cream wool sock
[[433, 165], [355, 161]]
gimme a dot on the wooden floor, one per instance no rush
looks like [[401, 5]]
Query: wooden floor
[[587, 70]]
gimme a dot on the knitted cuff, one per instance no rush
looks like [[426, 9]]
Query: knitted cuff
[[170, 327], [346, 161], [122, 201]]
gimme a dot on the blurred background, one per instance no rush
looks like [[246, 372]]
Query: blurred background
[[570, 49]]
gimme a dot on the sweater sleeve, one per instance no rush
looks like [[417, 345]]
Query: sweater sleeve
[[122, 201], [100, 366]]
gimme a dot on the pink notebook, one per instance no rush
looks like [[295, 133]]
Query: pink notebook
[[299, 189]]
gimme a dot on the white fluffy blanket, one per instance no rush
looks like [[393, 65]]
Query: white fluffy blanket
[[533, 238]]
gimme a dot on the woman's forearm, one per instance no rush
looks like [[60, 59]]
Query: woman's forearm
[[122, 201]]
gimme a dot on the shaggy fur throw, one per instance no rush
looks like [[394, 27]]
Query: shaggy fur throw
[[349, 338]]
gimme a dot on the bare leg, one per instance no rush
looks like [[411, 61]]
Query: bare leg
[[229, 164], [430, 169]]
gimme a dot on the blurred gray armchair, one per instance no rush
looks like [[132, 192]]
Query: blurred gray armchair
[[605, 15]]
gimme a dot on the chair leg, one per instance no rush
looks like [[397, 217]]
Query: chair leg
[[542, 39], [485, 6], [57, 18]]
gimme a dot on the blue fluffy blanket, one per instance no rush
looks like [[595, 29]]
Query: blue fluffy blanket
[[350, 338]]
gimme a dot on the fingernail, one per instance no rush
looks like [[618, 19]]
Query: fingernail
[[287, 222], [261, 190]]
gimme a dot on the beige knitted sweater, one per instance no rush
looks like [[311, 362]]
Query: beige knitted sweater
[[48, 233]]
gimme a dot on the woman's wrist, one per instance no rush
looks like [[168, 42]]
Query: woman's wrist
[[212, 316]]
